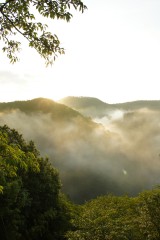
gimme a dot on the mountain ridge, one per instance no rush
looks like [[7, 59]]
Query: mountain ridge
[[82, 101], [44, 105], [94, 107]]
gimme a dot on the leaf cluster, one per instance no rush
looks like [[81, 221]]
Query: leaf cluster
[[16, 17]]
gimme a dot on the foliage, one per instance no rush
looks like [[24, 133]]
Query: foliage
[[119, 218], [33, 207], [31, 204], [108, 217], [16, 17], [149, 220]]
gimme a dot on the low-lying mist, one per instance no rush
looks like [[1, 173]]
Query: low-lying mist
[[122, 156]]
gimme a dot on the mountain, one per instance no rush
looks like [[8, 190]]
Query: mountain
[[83, 102], [62, 134], [119, 154], [95, 108], [135, 105], [88, 106], [58, 111]]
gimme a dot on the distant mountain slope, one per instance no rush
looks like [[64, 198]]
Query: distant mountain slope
[[95, 108], [120, 158], [135, 105], [83, 102], [88, 106], [42, 105], [64, 135]]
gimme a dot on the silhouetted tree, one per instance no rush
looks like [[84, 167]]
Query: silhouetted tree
[[16, 17]]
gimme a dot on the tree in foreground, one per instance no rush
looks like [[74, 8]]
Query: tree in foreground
[[119, 218], [31, 203], [108, 218], [149, 220], [17, 16]]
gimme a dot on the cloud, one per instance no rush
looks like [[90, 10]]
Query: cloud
[[9, 77], [120, 157]]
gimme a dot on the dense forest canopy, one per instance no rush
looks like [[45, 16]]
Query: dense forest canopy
[[119, 218], [31, 203], [33, 207]]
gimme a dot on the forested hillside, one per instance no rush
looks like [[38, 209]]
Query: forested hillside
[[119, 218], [40, 105], [119, 155], [88, 106], [96, 108], [31, 202], [32, 205]]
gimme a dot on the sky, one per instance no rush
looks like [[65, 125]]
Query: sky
[[112, 53]]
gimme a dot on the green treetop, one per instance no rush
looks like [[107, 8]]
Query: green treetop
[[31, 203]]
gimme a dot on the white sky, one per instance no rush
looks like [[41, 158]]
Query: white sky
[[112, 53]]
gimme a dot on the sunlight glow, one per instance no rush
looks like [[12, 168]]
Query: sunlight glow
[[114, 56]]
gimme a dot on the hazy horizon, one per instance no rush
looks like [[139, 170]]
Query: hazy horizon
[[57, 100], [112, 53]]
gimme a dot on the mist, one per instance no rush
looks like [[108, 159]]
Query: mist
[[119, 155]]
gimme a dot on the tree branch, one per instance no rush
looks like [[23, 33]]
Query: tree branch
[[4, 4], [17, 29]]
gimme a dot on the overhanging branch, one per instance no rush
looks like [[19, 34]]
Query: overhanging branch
[[17, 29], [4, 4]]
